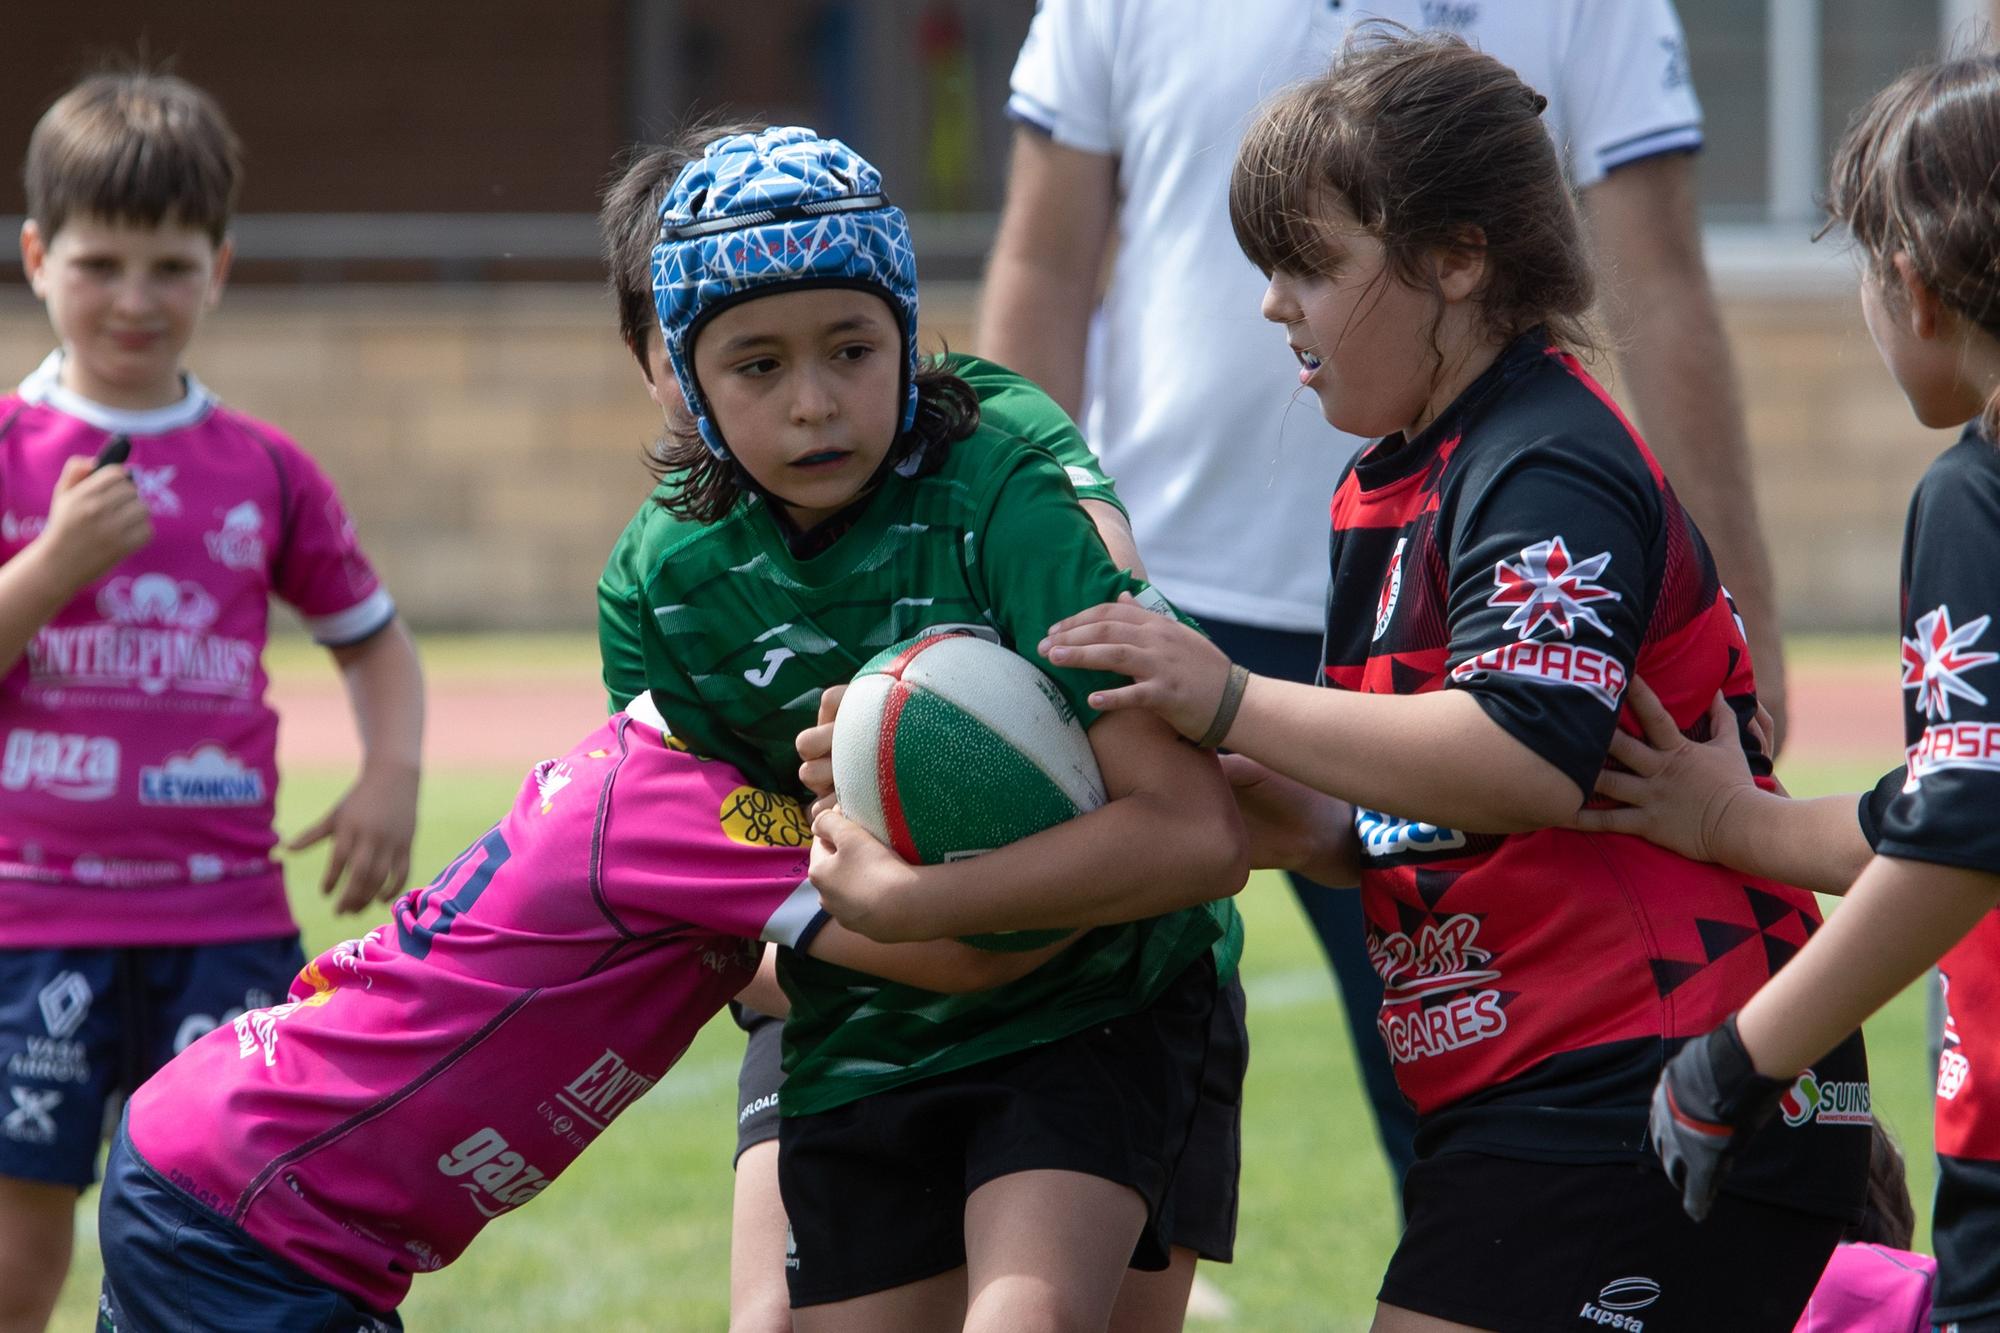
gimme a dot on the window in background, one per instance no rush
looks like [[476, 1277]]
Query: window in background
[[1778, 80]]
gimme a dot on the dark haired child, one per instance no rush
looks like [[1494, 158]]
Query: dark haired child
[[1204, 1188], [994, 1162], [140, 903], [1504, 558], [1920, 866]]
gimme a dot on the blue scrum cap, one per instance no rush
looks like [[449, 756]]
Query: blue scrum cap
[[757, 213]]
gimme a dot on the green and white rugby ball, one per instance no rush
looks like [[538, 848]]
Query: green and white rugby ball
[[948, 745]]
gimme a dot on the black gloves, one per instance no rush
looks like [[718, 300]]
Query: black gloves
[[1710, 1099]]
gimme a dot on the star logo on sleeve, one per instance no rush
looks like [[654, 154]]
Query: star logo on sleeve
[[1545, 585], [1936, 658]]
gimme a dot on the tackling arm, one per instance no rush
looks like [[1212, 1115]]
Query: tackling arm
[[944, 966], [1168, 838]]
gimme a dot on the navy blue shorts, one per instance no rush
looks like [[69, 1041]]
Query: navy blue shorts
[[82, 1027], [172, 1266]]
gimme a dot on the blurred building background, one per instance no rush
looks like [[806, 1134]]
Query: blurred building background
[[418, 297]]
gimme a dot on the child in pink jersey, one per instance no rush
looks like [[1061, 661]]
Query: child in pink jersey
[[1874, 1283], [140, 903], [296, 1169]]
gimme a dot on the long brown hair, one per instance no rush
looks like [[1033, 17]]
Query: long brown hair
[[1918, 173], [1430, 144]]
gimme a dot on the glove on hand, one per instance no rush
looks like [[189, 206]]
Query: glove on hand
[[1709, 1100]]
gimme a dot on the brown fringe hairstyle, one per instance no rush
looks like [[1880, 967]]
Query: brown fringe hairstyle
[[135, 147], [628, 222], [700, 486], [1431, 145], [1918, 173]]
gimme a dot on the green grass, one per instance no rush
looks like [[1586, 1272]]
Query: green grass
[[635, 1236]]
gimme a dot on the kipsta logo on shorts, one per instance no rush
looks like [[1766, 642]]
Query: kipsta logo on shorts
[[1546, 585], [1810, 1100], [1936, 658], [1612, 1307]]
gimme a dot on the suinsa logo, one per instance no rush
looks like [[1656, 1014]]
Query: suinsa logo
[[76, 768], [1811, 1101], [498, 1178], [600, 1092]]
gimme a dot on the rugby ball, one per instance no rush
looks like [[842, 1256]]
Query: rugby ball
[[948, 745]]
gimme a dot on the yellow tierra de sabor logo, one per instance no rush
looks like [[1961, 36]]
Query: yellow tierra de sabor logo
[[760, 818]]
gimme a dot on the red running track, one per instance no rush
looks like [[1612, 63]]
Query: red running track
[[1839, 714]]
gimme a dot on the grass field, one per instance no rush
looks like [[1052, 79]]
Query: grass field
[[635, 1236]]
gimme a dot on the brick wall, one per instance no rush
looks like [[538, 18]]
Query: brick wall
[[489, 439]]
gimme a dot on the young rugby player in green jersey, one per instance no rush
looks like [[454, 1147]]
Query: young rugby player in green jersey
[[831, 496]]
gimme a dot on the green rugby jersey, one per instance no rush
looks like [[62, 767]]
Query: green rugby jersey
[[736, 640]]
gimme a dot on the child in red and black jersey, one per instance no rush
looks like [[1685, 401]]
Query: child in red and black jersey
[[1504, 559], [1913, 182]]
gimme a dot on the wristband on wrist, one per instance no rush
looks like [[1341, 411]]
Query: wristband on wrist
[[1225, 711]]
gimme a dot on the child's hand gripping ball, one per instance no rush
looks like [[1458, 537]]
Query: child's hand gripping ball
[[947, 746]]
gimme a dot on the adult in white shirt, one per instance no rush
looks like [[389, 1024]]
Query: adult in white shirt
[[1129, 113]]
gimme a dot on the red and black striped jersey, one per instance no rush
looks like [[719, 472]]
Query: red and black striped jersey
[[1526, 547]]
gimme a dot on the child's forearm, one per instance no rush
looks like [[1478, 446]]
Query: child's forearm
[[1170, 837], [1434, 756], [1816, 844], [945, 966], [32, 589], [1899, 918], [385, 688], [1137, 857]]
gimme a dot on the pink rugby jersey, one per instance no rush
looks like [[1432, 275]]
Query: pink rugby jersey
[[444, 1068], [137, 754]]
